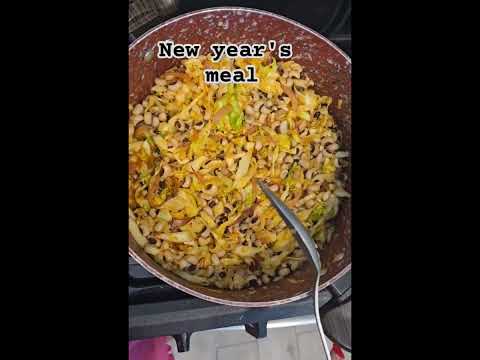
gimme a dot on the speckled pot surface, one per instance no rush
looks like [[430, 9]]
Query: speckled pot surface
[[324, 63]]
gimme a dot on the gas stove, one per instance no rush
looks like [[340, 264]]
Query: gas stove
[[157, 309]]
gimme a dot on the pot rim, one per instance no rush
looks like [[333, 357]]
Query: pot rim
[[238, 8], [252, 304]]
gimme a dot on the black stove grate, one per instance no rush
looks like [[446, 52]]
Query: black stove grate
[[144, 288], [157, 309]]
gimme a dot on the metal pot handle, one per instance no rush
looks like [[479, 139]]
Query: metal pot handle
[[341, 291]]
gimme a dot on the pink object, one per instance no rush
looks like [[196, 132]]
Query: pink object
[[150, 349], [336, 353]]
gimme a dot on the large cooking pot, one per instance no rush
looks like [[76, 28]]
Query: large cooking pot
[[324, 63]]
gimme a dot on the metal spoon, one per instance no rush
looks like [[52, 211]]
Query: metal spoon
[[308, 246]]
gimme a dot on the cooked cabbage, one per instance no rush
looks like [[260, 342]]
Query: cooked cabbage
[[195, 152]]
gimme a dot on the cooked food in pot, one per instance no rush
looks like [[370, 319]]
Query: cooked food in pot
[[195, 150]]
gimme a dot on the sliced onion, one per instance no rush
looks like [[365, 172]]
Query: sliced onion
[[221, 113], [153, 188], [246, 251], [243, 166], [291, 95], [178, 237], [136, 233], [192, 278]]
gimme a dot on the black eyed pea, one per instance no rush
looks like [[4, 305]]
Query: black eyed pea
[[274, 188], [283, 272], [155, 122], [183, 264], [333, 147], [249, 110], [137, 119], [147, 117], [162, 116], [313, 188], [192, 259], [215, 260], [138, 109]]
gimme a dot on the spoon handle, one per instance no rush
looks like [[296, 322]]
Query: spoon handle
[[319, 322], [308, 246]]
